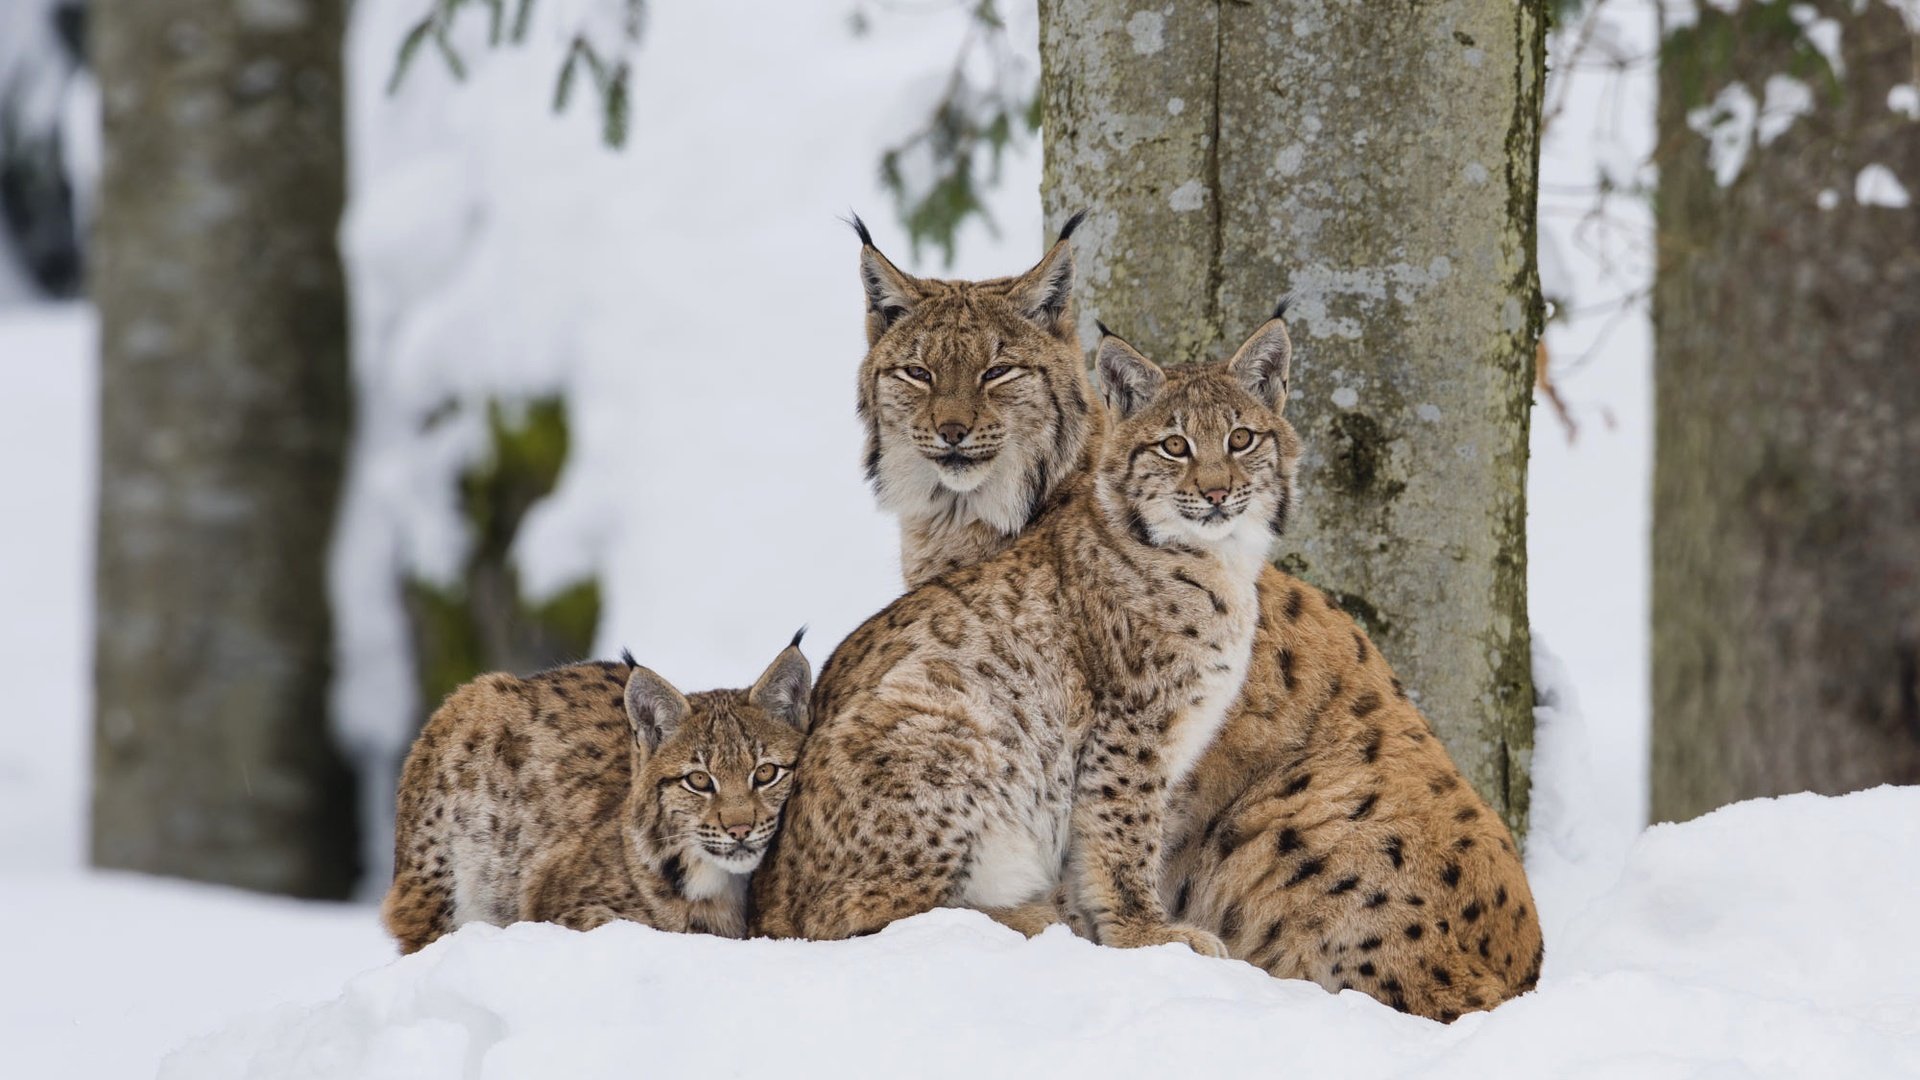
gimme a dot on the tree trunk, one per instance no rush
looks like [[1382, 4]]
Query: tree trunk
[[224, 416], [1380, 165], [1786, 540]]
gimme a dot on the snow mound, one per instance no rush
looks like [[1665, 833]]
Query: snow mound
[[1771, 938]]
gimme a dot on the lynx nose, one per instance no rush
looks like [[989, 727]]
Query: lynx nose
[[1215, 496], [953, 433], [739, 832]]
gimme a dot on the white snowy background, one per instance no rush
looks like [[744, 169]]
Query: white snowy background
[[695, 298]]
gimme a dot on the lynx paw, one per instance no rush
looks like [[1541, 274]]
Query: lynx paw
[[1139, 937]]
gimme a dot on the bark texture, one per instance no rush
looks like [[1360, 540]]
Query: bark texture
[[1379, 162], [1786, 542], [224, 416]]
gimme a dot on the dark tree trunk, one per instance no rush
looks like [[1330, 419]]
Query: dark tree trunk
[[1786, 545], [223, 427], [1380, 162]]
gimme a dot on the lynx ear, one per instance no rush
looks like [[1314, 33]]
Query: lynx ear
[[891, 292], [1261, 364], [1044, 294], [783, 688], [1128, 380], [654, 708]]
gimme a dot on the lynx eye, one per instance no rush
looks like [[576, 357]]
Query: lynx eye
[[767, 773], [1174, 446], [698, 781], [996, 373], [1239, 439], [917, 374]]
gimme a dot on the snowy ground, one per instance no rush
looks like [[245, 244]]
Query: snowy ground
[[1716, 955], [495, 249]]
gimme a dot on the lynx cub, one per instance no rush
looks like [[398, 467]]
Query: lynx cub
[[1015, 725], [1325, 834], [592, 793]]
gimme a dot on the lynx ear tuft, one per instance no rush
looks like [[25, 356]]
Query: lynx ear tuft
[[860, 227], [1073, 223]]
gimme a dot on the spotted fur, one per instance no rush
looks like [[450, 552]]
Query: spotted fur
[[1325, 834], [591, 793], [1016, 725]]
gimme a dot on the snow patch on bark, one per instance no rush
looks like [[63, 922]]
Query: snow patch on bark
[[1787, 99], [1822, 33], [1728, 126], [1878, 186], [1904, 98]]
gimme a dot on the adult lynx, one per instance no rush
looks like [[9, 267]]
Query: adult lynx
[[1017, 724], [1325, 834]]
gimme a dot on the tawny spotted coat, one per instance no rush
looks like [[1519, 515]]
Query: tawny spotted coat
[[1015, 725], [1325, 834], [591, 793]]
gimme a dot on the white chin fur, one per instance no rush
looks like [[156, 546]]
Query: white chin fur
[[993, 493], [709, 875], [1243, 538], [964, 480]]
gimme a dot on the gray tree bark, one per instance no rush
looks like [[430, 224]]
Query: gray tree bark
[[224, 415], [1379, 162], [1786, 540]]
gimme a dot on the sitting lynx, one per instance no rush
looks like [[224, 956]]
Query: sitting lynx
[[1017, 725], [592, 793], [1325, 835]]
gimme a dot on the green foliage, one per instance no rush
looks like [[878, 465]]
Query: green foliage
[[936, 174], [1704, 57], [481, 622], [610, 72]]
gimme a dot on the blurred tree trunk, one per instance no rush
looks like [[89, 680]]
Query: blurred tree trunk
[[223, 429], [1381, 165], [1786, 540]]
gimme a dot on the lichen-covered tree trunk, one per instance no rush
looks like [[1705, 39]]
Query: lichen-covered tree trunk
[[1786, 539], [1378, 161], [224, 415]]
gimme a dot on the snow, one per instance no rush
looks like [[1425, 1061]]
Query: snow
[[1727, 124], [1904, 98], [1823, 34], [1771, 938], [1876, 185], [704, 324], [1787, 99], [103, 974], [47, 452]]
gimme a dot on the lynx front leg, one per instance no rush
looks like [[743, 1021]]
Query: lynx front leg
[[586, 917], [1119, 810], [1029, 919]]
